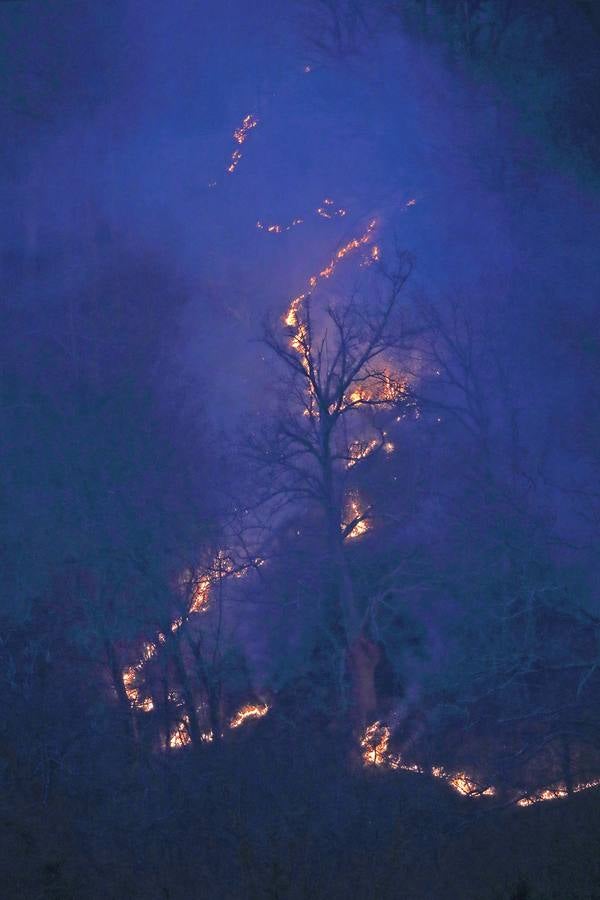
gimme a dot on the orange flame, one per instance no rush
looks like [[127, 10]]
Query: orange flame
[[374, 743], [291, 317], [240, 135], [250, 711], [354, 512], [360, 450]]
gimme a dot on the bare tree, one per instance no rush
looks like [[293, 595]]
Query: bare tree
[[342, 370]]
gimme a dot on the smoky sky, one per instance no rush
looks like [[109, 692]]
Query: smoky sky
[[119, 116]]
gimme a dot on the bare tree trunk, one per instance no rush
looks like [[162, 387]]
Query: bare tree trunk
[[362, 658], [166, 711], [119, 686], [212, 691], [188, 695]]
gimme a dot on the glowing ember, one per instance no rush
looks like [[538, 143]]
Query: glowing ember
[[393, 388], [464, 785], [250, 711], [240, 135], [356, 517], [374, 744], [298, 342], [235, 159], [360, 450], [277, 228], [133, 693], [372, 257], [291, 317], [200, 594], [199, 588], [556, 793], [148, 651], [325, 211], [248, 123], [380, 388], [353, 244], [180, 737]]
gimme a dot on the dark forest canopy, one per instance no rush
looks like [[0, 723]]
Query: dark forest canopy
[[300, 449]]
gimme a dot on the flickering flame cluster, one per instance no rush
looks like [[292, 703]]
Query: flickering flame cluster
[[180, 736], [327, 210], [360, 450], [198, 588], [381, 388], [387, 388], [277, 228], [374, 744], [240, 135], [374, 256], [291, 318], [356, 517], [556, 793], [250, 711]]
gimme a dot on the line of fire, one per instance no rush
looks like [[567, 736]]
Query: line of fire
[[300, 450]]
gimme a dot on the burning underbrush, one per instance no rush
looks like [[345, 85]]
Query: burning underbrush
[[546, 776]]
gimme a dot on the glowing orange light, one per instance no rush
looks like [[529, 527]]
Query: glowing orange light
[[555, 793], [180, 737], [374, 743], [248, 123], [239, 135], [250, 711], [360, 450], [277, 228], [354, 512]]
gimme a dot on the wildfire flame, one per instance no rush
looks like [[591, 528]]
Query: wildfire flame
[[291, 317], [373, 257], [180, 736], [200, 587], [352, 245], [248, 123], [374, 744], [240, 135], [250, 711], [381, 388], [556, 793], [355, 513], [360, 450], [276, 228], [325, 211]]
